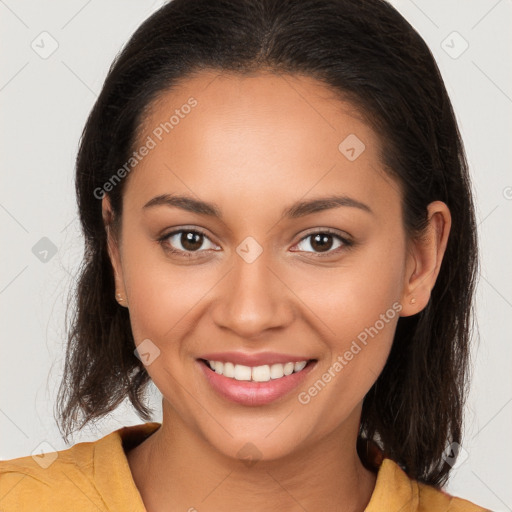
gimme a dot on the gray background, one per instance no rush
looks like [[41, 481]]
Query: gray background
[[44, 103]]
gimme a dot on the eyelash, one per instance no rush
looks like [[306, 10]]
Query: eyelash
[[191, 254]]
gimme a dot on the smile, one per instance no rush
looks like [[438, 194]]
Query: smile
[[254, 385]]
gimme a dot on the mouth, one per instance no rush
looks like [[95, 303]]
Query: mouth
[[261, 373], [254, 385]]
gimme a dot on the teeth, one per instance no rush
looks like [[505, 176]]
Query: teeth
[[262, 373], [276, 371], [288, 368], [299, 366], [241, 372], [228, 370]]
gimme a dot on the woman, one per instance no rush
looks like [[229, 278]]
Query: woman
[[280, 235]]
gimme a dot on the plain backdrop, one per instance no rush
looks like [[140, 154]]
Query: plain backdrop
[[54, 58]]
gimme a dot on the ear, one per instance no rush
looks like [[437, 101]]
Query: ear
[[114, 250], [424, 259]]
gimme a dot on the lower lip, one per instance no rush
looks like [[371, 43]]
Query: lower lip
[[251, 393]]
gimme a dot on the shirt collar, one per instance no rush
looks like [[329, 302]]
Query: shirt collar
[[394, 490], [112, 474]]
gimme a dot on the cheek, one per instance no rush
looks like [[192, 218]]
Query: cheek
[[357, 317], [162, 295], [353, 295], [358, 308], [358, 353]]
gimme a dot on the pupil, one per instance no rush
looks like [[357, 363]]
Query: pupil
[[191, 241], [322, 241]]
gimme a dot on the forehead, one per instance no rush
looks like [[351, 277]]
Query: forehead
[[217, 135]]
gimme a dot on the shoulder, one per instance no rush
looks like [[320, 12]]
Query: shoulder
[[89, 476], [430, 499], [395, 490], [50, 481]]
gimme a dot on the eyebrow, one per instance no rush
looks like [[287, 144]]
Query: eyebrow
[[296, 210]]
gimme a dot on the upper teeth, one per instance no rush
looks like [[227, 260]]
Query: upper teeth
[[256, 373]]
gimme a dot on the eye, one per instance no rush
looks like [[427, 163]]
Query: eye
[[185, 242], [322, 242]]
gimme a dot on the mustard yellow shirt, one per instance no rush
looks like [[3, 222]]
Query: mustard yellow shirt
[[95, 476]]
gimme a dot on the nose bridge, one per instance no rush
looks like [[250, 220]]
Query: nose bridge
[[252, 298]]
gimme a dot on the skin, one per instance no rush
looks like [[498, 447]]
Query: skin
[[254, 145]]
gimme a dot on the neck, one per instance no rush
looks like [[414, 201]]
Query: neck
[[175, 466]]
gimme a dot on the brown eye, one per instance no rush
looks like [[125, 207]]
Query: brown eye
[[323, 242], [191, 240], [186, 241]]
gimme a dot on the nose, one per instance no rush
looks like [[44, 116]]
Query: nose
[[252, 299]]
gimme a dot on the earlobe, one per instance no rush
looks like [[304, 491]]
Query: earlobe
[[424, 259]]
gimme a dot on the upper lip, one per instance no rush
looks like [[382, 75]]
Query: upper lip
[[258, 359]]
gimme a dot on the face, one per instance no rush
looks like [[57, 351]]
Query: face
[[267, 279]]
